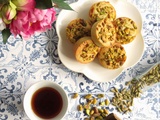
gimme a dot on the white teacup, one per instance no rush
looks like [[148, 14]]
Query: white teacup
[[41, 86]]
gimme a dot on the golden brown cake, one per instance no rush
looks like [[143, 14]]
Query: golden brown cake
[[126, 30], [77, 28], [103, 33], [101, 10], [85, 50], [112, 57]]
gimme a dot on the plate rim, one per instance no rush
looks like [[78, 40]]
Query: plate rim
[[83, 70]]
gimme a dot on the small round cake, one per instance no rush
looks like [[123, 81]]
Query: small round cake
[[103, 33], [76, 29], [85, 50], [112, 57], [101, 10], [126, 30]]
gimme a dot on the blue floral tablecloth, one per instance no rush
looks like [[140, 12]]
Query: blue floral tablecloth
[[22, 63]]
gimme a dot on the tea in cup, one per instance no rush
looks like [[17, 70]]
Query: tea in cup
[[45, 100]]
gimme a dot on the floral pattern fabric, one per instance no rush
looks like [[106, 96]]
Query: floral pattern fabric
[[22, 63]]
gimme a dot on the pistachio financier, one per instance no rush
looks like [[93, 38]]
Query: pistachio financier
[[85, 50], [103, 33], [126, 30], [112, 57], [101, 10], [77, 28]]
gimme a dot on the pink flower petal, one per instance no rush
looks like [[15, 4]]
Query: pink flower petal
[[29, 22]]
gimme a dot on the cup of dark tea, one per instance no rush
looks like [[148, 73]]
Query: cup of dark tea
[[45, 100]]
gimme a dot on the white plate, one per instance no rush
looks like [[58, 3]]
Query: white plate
[[94, 70]]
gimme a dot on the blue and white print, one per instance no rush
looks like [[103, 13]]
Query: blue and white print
[[22, 63]]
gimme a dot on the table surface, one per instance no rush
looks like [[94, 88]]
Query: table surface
[[22, 63]]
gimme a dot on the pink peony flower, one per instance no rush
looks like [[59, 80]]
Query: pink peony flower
[[27, 23], [24, 5]]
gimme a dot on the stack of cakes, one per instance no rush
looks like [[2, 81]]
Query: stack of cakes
[[103, 35]]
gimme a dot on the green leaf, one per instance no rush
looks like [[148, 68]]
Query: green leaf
[[61, 4], [3, 1], [43, 4], [5, 34]]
